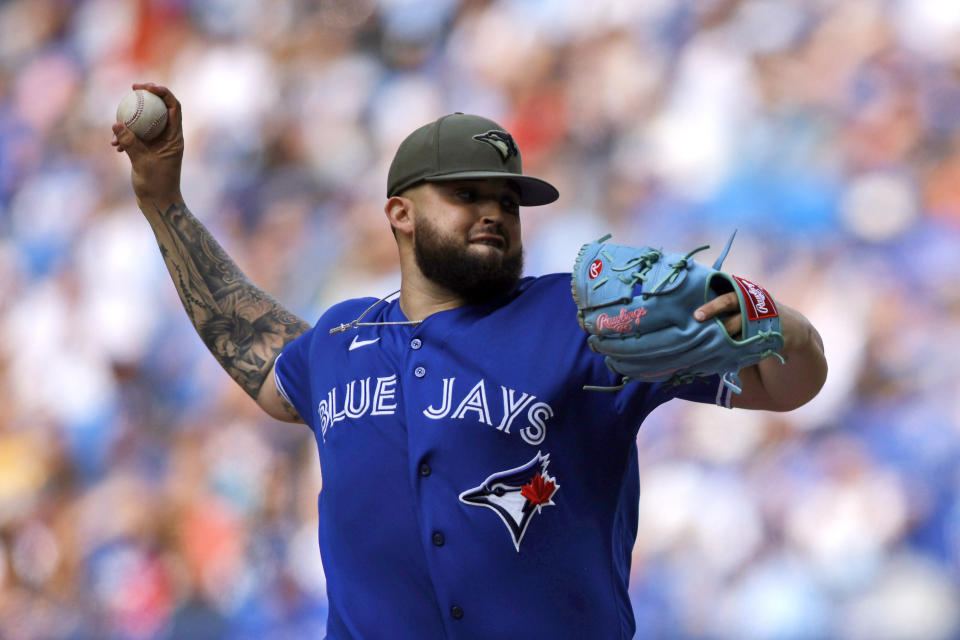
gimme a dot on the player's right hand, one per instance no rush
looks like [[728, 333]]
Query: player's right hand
[[155, 163]]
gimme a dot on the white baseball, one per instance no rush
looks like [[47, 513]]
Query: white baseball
[[144, 113]]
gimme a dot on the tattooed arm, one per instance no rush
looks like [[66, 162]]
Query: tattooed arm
[[243, 326]]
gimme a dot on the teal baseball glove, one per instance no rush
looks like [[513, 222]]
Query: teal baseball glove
[[637, 305]]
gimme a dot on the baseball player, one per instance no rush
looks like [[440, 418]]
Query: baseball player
[[471, 487]]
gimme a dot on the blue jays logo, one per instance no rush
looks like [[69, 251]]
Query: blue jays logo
[[501, 141], [516, 495]]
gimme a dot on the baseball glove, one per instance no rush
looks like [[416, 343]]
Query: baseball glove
[[637, 305]]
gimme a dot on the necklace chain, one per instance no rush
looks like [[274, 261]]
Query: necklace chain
[[356, 323]]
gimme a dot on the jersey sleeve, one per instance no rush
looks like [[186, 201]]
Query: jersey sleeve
[[640, 399], [708, 390], [292, 374]]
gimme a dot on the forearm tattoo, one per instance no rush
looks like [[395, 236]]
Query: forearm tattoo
[[243, 326]]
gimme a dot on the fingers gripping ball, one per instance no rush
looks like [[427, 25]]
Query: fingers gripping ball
[[144, 113], [637, 305]]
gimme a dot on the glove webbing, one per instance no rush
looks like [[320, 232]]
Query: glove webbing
[[645, 261], [676, 268]]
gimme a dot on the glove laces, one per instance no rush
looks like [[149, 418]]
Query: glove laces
[[676, 269], [639, 267]]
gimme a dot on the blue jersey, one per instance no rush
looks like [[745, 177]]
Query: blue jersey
[[471, 487]]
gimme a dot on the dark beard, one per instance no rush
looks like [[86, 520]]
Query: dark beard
[[471, 277]]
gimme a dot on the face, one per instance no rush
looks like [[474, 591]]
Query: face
[[467, 236]]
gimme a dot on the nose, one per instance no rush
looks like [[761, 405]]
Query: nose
[[490, 211]]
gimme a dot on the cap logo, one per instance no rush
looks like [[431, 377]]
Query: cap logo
[[501, 141]]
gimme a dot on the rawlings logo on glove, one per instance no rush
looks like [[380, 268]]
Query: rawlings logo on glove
[[622, 322], [637, 305], [595, 268], [759, 302]]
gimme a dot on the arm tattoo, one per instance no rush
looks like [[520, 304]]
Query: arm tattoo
[[243, 326]]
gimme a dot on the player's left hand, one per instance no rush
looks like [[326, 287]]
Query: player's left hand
[[726, 304]]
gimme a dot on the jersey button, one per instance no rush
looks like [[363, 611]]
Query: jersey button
[[416, 343], [419, 372], [425, 470], [456, 612], [438, 539]]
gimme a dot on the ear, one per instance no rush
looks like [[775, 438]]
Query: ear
[[400, 213]]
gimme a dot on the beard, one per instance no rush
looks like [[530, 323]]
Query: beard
[[473, 277]]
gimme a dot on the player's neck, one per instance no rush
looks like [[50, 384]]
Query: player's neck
[[421, 297]]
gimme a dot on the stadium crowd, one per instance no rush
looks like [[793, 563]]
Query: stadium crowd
[[143, 495]]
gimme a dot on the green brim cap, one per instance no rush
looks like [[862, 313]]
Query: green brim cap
[[464, 147]]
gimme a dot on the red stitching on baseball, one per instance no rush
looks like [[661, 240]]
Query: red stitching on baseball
[[137, 111], [154, 124]]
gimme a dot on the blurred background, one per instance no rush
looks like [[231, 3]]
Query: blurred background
[[143, 495]]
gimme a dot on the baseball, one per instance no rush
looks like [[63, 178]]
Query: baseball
[[144, 113]]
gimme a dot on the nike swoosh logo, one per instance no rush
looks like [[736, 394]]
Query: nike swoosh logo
[[356, 344]]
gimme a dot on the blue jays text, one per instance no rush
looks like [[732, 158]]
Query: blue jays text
[[358, 401]]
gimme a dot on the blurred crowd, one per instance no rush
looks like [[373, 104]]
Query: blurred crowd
[[143, 495]]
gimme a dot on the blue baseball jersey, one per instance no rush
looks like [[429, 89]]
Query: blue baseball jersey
[[471, 487]]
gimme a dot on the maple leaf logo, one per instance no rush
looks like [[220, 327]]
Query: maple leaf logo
[[538, 491]]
